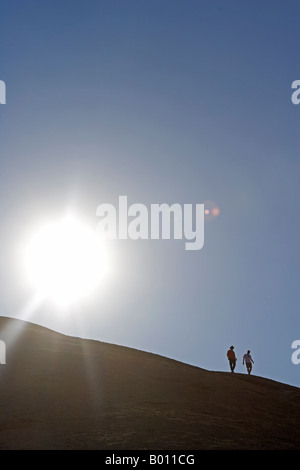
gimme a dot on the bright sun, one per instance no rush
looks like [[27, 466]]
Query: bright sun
[[65, 261]]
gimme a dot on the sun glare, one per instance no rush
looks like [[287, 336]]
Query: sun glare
[[65, 261]]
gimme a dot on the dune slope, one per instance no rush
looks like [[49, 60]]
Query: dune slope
[[62, 392]]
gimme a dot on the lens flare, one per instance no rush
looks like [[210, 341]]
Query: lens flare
[[211, 210]]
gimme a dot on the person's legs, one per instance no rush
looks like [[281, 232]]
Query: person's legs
[[232, 364], [249, 367]]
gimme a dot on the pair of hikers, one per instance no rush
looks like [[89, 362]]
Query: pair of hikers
[[246, 359]]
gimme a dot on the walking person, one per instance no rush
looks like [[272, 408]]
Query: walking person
[[231, 358], [249, 361]]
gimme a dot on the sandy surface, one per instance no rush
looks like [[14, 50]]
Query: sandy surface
[[60, 392]]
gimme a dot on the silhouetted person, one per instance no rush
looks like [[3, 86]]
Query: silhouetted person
[[231, 358], [248, 359]]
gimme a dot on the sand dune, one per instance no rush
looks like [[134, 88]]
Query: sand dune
[[61, 392]]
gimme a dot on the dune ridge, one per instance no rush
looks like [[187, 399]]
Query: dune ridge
[[63, 392]]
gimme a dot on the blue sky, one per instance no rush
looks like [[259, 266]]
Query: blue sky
[[163, 101]]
